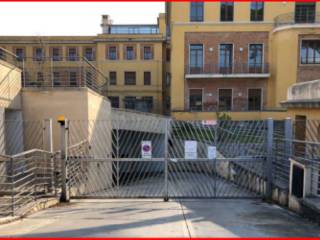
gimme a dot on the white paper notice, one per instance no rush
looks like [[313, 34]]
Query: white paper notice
[[212, 152], [190, 150]]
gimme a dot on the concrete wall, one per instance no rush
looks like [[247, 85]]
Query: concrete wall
[[10, 86], [77, 105]]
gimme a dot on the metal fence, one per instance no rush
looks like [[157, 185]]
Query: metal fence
[[136, 155], [148, 157]]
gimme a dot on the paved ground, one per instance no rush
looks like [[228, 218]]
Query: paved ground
[[154, 218]]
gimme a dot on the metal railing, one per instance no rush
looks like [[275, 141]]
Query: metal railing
[[305, 17], [50, 73], [234, 68], [9, 57]]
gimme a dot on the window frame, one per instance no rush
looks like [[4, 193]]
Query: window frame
[[202, 100], [300, 53], [114, 97], [115, 79], [72, 58], [232, 94], [225, 12], [196, 18], [262, 56], [116, 53], [144, 78], [133, 53], [261, 98], [203, 57], [144, 53], [219, 57], [256, 14], [125, 79]]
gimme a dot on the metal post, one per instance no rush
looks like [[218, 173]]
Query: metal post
[[118, 165], [166, 160], [288, 135], [12, 186], [64, 157], [268, 167], [24, 73]]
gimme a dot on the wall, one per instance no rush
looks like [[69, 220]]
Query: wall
[[75, 105]]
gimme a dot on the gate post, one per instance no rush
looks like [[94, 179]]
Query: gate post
[[288, 136], [268, 168], [166, 160], [64, 157]]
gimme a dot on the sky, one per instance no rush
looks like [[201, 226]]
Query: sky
[[70, 18]]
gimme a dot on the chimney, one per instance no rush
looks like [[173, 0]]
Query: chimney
[[106, 23]]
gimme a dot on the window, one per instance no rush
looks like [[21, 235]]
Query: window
[[72, 54], [115, 102], [226, 11], [129, 53], [255, 58], [226, 58], [73, 79], [2, 54], [225, 100], [310, 52], [147, 104], [112, 53], [89, 54], [113, 78], [254, 99], [147, 78], [256, 11], [40, 78], [147, 53], [196, 58], [305, 12], [39, 54], [56, 54], [56, 79], [20, 54], [130, 78], [195, 99], [130, 102], [196, 11]]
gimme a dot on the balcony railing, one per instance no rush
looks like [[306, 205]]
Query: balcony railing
[[49, 73], [307, 17], [234, 69]]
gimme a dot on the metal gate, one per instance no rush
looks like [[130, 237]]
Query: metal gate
[[153, 157]]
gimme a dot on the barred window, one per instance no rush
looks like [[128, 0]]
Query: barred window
[[112, 53], [130, 78]]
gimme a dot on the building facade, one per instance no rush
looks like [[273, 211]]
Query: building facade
[[129, 58], [239, 57], [200, 60]]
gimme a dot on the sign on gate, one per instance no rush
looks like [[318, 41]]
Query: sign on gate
[[190, 150], [146, 149], [212, 152]]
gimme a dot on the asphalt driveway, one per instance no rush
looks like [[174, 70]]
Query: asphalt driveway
[[155, 218]]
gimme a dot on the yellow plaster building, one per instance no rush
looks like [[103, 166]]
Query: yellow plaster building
[[129, 57], [240, 57]]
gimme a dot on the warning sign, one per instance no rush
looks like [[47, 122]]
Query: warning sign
[[146, 149]]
